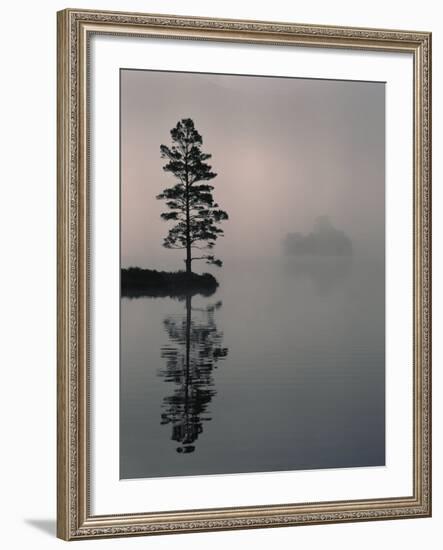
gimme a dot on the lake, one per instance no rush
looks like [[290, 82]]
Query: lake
[[282, 368]]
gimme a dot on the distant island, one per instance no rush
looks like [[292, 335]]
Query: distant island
[[324, 240], [152, 283]]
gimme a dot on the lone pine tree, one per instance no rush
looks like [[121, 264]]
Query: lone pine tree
[[190, 201]]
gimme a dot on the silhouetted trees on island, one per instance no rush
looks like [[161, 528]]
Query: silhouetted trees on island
[[324, 240], [195, 215]]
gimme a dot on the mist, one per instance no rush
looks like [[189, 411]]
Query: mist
[[287, 151]]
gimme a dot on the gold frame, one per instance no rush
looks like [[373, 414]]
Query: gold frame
[[74, 520]]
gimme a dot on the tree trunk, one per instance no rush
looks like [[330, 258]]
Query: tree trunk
[[188, 239], [188, 227], [188, 259]]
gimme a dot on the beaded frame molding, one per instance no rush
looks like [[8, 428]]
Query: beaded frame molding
[[74, 518]]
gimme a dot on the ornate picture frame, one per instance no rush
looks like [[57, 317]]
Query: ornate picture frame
[[75, 518]]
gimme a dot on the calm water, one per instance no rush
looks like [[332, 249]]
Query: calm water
[[281, 369]]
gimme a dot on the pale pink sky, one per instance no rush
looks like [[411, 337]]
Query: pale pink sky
[[286, 151]]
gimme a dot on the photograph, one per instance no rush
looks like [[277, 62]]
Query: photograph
[[243, 273], [252, 274]]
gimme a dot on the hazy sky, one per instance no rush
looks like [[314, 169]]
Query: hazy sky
[[286, 151]]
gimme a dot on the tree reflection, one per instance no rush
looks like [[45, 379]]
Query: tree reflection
[[195, 349]]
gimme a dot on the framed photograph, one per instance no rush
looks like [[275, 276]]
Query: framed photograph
[[244, 294]]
